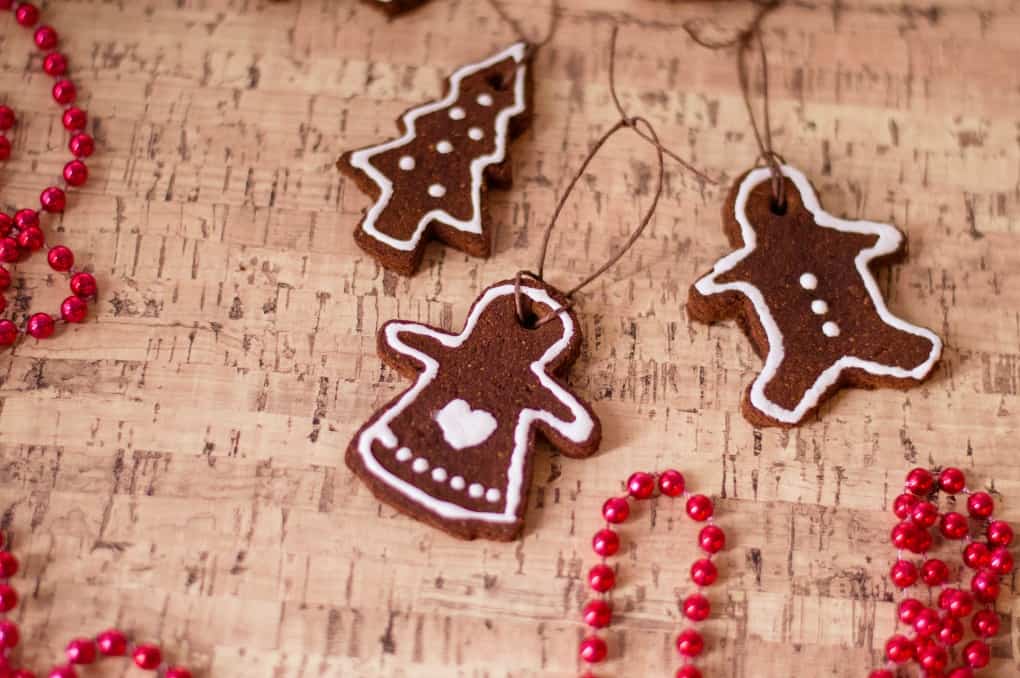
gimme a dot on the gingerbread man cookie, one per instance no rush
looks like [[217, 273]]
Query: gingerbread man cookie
[[800, 285], [454, 450], [431, 181]]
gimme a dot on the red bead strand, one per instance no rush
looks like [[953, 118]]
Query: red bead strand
[[597, 613], [935, 632]]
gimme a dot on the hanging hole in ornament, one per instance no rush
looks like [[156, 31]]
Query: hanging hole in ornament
[[529, 320], [496, 81], [778, 208]]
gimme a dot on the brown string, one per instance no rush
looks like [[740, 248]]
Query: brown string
[[518, 28], [743, 42]]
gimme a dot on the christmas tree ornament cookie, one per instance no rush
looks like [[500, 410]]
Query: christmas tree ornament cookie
[[455, 448], [800, 284], [431, 181]]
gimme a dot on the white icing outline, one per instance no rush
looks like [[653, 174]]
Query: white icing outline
[[361, 159], [577, 431], [889, 239]]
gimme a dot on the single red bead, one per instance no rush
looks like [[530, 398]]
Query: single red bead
[[9, 634], [672, 483], [147, 657], [951, 631], [592, 651], [74, 119], [933, 659], [927, 622], [8, 332], [1000, 533], [977, 654], [82, 145], [904, 504], [986, 623], [689, 643], [53, 199], [952, 480], [1001, 561], [81, 651], [64, 92], [74, 310], [908, 610], [605, 542], [55, 64], [881, 673], [903, 574], [957, 603], [26, 218], [6, 224], [905, 536], [8, 564], [32, 238], [112, 643], [925, 514], [641, 485], [63, 672], [45, 37], [961, 672], [688, 671], [177, 672], [712, 539], [920, 482], [976, 555], [5, 147], [7, 118], [601, 578], [954, 525], [980, 504], [616, 510], [40, 325], [699, 507], [597, 614], [9, 250], [27, 14], [986, 586], [8, 598], [696, 607], [5, 278], [60, 258], [934, 572], [84, 285], [76, 173], [899, 649], [704, 572]]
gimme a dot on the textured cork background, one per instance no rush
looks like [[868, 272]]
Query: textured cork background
[[174, 466]]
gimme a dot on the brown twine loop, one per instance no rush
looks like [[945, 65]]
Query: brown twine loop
[[518, 28], [743, 42]]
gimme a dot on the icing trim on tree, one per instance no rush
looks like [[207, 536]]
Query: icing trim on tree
[[889, 242]]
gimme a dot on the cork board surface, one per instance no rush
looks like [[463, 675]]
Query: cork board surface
[[174, 465]]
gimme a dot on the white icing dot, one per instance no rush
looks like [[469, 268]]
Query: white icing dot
[[819, 307], [439, 474], [407, 163], [476, 133], [457, 113], [403, 454], [420, 465], [437, 190], [457, 483], [830, 329], [444, 146], [484, 99], [476, 490], [808, 281], [492, 495]]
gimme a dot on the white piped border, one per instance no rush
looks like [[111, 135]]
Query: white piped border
[[362, 159], [889, 239], [578, 431]]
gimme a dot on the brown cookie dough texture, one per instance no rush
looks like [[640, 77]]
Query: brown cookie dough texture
[[800, 285], [455, 449], [430, 182]]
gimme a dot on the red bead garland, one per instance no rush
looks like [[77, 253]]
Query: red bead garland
[[937, 631], [597, 613], [22, 235], [79, 651]]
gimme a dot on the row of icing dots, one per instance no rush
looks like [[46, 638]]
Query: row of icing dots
[[809, 281], [441, 475]]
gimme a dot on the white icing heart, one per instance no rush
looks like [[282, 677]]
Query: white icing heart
[[464, 427]]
